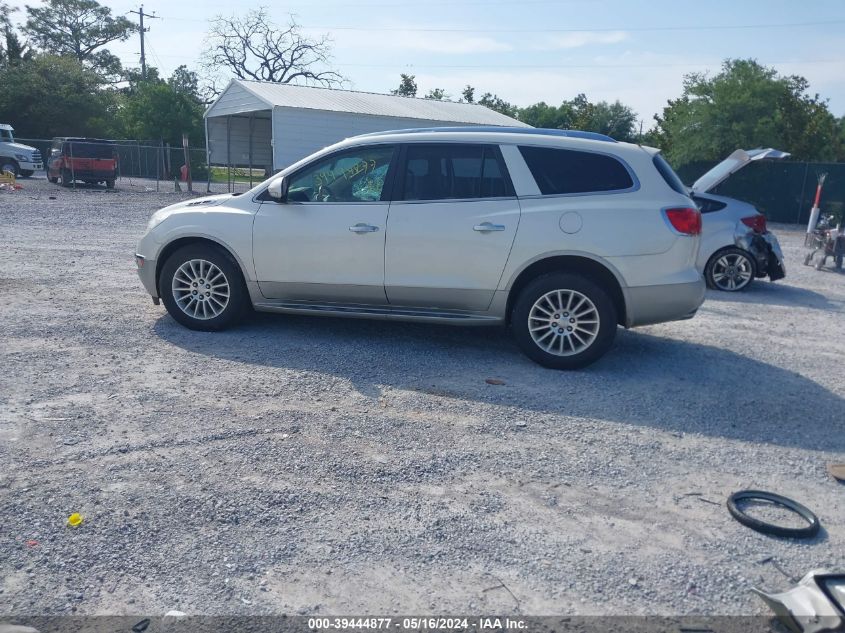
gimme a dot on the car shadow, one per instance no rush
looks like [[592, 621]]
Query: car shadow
[[779, 293], [645, 380]]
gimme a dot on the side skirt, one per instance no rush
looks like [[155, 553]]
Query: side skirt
[[377, 312]]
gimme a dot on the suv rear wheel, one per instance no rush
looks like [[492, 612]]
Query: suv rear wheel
[[202, 287], [730, 269], [564, 321]]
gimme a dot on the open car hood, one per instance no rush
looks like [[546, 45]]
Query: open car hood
[[732, 164]]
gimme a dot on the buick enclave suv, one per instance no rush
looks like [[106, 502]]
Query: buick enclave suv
[[561, 235]]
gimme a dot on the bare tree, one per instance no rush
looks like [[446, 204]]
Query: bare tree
[[252, 47]]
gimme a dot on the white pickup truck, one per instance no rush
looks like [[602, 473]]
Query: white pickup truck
[[21, 160]]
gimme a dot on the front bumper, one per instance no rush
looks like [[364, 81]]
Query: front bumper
[[147, 274], [30, 166], [668, 302]]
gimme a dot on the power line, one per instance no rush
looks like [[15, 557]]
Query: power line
[[553, 66], [140, 13], [643, 29]]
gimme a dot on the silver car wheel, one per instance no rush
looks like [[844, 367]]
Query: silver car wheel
[[200, 289], [563, 322], [732, 272]]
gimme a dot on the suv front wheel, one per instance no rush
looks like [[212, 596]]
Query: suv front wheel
[[201, 287], [564, 321]]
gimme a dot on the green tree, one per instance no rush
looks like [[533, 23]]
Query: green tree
[[468, 94], [80, 29], [163, 110], [614, 119], [746, 105], [438, 94], [54, 96], [494, 102], [407, 86]]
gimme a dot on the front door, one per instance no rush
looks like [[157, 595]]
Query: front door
[[451, 227], [326, 241]]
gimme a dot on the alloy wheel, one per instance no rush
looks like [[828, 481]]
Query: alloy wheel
[[200, 289], [563, 322], [732, 271]]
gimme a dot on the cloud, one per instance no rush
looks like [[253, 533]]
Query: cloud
[[579, 39]]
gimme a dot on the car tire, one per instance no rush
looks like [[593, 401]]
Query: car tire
[[67, 178], [7, 164], [52, 179], [217, 305], [730, 270], [110, 184], [564, 321]]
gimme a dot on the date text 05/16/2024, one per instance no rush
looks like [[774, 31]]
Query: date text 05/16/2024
[[433, 623]]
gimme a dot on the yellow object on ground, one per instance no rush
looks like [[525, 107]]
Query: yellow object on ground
[[7, 176], [74, 519]]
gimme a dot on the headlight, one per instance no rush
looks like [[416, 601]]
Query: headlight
[[157, 218], [22, 158]]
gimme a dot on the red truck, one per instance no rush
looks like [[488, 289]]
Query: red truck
[[91, 160]]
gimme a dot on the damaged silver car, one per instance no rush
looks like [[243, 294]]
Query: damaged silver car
[[736, 246], [816, 604]]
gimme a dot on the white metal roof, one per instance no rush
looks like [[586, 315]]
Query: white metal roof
[[368, 103]]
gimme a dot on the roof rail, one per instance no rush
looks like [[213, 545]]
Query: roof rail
[[593, 136]]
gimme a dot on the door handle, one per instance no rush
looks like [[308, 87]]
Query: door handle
[[363, 228], [486, 227]]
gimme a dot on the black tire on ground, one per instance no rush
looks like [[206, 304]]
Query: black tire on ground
[[564, 354], [837, 262], [8, 164], [730, 252], [26, 173], [67, 178], [110, 184], [238, 296], [52, 179], [810, 530]]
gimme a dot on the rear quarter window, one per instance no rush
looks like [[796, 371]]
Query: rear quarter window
[[562, 171], [669, 174]]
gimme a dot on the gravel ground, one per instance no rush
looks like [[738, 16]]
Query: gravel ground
[[317, 466]]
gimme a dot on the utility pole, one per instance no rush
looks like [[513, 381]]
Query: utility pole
[[140, 13]]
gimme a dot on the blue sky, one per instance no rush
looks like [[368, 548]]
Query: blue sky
[[535, 50]]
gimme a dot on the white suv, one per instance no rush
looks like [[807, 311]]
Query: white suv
[[561, 235]]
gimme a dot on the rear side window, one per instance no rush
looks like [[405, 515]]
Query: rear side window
[[88, 149], [669, 174], [559, 171], [453, 172]]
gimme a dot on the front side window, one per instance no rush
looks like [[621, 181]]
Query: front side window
[[561, 171], [356, 175], [453, 172]]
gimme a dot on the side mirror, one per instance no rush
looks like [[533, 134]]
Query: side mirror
[[278, 189]]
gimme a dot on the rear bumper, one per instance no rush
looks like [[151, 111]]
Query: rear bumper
[[92, 174], [656, 304]]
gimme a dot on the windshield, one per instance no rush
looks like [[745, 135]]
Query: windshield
[[6, 136]]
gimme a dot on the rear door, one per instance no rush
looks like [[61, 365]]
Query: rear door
[[451, 226]]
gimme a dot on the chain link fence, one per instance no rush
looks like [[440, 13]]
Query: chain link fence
[[782, 190], [146, 165]]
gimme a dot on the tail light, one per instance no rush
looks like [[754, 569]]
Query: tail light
[[756, 222], [685, 220]]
